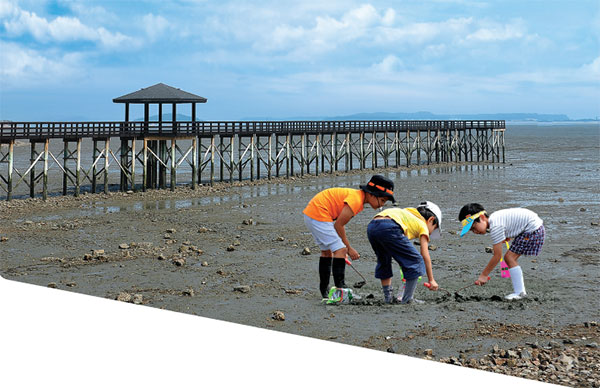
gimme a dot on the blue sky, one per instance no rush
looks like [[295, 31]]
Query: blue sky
[[67, 60]]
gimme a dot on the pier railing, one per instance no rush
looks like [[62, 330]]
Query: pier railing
[[53, 130], [83, 154]]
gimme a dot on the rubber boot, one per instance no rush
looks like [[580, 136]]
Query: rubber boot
[[324, 275], [339, 272]]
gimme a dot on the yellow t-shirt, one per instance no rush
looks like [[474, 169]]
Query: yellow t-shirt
[[328, 204], [413, 223]]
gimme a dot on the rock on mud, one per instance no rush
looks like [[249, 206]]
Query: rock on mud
[[278, 316], [242, 289], [124, 297]]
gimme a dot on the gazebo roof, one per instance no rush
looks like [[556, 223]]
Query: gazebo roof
[[159, 93]]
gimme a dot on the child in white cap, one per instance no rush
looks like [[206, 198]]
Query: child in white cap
[[390, 233], [522, 225]]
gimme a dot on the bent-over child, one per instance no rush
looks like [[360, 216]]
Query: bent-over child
[[522, 225], [326, 215], [390, 233]]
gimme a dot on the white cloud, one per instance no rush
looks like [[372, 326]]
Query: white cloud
[[388, 65], [61, 29], [22, 67], [155, 25], [494, 32], [592, 70], [327, 33]]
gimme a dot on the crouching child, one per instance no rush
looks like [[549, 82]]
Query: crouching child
[[522, 225], [326, 216], [390, 233]]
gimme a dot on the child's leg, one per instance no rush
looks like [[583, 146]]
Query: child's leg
[[388, 290], [409, 290], [377, 231], [324, 272], [339, 272], [516, 274]]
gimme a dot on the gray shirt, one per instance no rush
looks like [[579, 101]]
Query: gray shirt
[[509, 223]]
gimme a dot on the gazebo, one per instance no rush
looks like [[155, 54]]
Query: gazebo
[[157, 154], [160, 94]]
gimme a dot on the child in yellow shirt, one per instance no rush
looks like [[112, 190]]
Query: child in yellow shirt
[[390, 233]]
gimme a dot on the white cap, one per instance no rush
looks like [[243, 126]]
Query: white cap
[[437, 233]]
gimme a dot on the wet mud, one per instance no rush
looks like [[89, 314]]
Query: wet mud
[[241, 253]]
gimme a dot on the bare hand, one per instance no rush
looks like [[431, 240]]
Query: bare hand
[[433, 286], [354, 255], [482, 280]]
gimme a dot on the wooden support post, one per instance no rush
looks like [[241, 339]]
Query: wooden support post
[[78, 169], [302, 152], [231, 157], [124, 164], [240, 164], [106, 153], [408, 148], [362, 150], [212, 160], [194, 160], [503, 150], [133, 160], [347, 152], [222, 159], [45, 178], [94, 157], [65, 167], [317, 153], [9, 188], [374, 150], [252, 160], [269, 164], [33, 157], [350, 148], [173, 163], [385, 147], [288, 164], [162, 155], [418, 147], [145, 176]]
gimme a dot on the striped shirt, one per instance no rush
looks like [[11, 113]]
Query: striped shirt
[[509, 223]]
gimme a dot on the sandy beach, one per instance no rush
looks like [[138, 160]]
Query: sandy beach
[[235, 253]]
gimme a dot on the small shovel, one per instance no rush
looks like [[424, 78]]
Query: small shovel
[[428, 285], [363, 281], [470, 285]]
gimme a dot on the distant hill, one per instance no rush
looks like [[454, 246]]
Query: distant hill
[[534, 117], [522, 117]]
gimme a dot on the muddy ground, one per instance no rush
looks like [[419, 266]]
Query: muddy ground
[[234, 253]]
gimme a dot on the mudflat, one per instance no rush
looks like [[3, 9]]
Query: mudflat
[[241, 253]]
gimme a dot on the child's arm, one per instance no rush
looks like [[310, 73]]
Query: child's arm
[[483, 278], [425, 253], [344, 217]]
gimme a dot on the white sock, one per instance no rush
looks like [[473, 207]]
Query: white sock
[[516, 276]]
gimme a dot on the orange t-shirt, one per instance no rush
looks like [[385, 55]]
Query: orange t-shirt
[[328, 204]]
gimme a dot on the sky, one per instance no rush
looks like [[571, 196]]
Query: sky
[[66, 60]]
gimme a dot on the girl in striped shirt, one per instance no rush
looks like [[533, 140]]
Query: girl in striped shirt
[[522, 225]]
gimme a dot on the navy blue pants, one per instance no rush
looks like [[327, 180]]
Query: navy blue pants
[[388, 241]]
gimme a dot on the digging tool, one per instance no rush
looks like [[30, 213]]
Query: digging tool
[[470, 285], [357, 284], [428, 285]]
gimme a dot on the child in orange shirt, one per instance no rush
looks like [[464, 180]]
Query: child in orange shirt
[[326, 215]]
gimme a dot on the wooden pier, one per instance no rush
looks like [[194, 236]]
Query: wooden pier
[[149, 155]]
